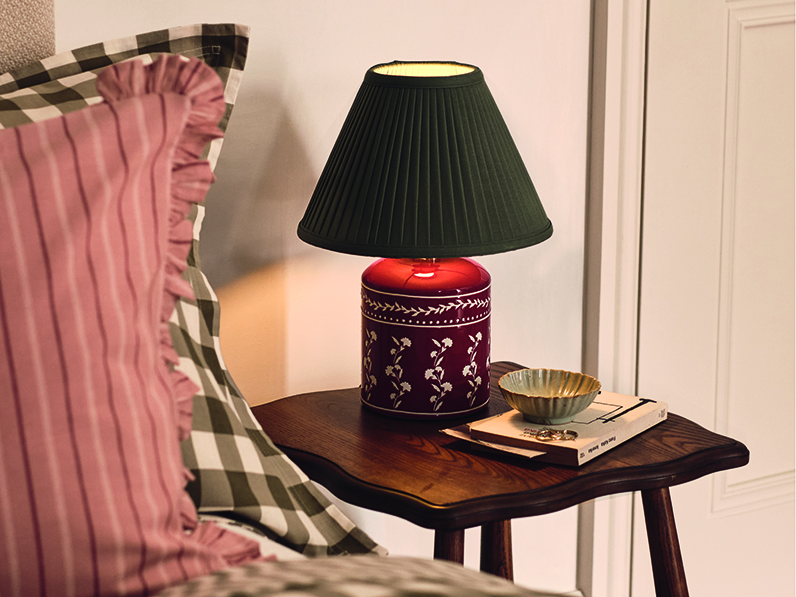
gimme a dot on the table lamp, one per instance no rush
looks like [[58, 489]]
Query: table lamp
[[424, 175]]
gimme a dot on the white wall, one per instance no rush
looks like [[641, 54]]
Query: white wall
[[306, 61]]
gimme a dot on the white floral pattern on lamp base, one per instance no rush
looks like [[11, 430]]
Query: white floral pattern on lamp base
[[368, 379], [395, 372], [425, 356], [437, 373], [470, 371]]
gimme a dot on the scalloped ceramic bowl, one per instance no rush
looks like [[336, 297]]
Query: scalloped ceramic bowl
[[548, 396]]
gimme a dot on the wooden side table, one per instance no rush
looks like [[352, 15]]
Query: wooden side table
[[409, 469]]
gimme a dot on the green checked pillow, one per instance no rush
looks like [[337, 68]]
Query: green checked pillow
[[66, 82], [356, 576], [237, 468]]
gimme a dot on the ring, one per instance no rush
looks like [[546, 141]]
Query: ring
[[550, 435]]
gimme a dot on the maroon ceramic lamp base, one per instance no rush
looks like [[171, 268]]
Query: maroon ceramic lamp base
[[425, 337]]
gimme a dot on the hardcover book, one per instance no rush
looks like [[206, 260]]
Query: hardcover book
[[610, 420]]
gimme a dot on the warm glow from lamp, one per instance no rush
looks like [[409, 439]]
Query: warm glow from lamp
[[423, 69]]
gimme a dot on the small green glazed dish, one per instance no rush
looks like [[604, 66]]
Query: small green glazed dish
[[548, 396]]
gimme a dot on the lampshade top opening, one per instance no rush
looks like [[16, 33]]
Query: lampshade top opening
[[423, 69], [424, 75]]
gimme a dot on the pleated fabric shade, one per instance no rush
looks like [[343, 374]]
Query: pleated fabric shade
[[424, 167]]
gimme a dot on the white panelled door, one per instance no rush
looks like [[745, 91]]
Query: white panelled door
[[716, 325]]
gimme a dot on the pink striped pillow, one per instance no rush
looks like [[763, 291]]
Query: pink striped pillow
[[93, 205]]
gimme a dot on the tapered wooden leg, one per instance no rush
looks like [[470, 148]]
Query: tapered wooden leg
[[449, 545], [667, 561], [496, 554]]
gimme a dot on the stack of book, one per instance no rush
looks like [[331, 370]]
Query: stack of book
[[610, 420]]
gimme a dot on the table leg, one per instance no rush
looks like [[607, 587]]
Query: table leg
[[449, 545], [667, 561], [496, 554]]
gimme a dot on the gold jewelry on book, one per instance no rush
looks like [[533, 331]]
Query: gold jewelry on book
[[551, 435]]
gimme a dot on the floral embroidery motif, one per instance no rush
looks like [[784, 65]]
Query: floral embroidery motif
[[437, 373], [470, 372], [395, 371], [369, 380]]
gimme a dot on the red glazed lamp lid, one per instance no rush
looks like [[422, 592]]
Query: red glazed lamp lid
[[426, 277]]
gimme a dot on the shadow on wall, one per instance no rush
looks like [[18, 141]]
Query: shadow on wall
[[264, 182]]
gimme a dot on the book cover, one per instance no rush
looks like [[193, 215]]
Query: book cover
[[610, 420]]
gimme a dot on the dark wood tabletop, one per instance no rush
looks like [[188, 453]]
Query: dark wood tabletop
[[408, 468]]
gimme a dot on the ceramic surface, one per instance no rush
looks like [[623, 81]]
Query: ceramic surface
[[548, 396], [425, 338]]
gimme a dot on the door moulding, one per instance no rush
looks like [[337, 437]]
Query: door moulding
[[741, 496], [612, 262]]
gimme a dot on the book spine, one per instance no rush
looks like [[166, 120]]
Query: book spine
[[622, 434]]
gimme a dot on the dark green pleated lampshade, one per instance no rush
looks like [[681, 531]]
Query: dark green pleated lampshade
[[424, 167]]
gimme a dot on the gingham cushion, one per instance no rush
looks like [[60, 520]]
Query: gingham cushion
[[237, 467], [238, 470], [356, 576], [65, 82]]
